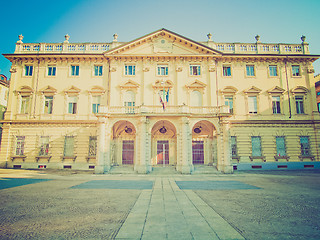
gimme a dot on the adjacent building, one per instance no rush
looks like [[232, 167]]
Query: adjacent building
[[161, 100]]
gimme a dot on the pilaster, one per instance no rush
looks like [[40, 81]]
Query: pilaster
[[184, 163], [224, 153], [103, 153], [142, 165]]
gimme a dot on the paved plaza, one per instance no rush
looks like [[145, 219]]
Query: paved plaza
[[80, 205]]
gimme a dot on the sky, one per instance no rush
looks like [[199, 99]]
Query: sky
[[276, 21]]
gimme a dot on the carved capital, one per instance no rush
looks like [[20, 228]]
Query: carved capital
[[310, 70], [179, 69], [211, 69], [146, 69], [113, 69]]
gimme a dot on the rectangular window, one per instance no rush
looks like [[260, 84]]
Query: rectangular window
[[28, 70], [227, 71], [95, 104], [44, 146], [273, 72], [127, 151], [52, 70], [163, 70], [48, 104], [20, 141], [281, 146], [305, 146], [228, 100], [130, 70], [299, 104], [250, 70], [68, 146], [276, 105], [256, 146], [295, 70], [129, 107], [25, 100], [92, 146], [74, 70], [195, 70], [252, 105], [98, 70], [72, 105], [197, 152], [318, 106], [234, 150]]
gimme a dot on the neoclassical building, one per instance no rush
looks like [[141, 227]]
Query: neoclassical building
[[161, 100]]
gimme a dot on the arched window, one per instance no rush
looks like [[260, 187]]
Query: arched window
[[129, 101], [196, 99]]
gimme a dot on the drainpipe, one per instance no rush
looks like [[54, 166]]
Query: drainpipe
[[217, 90], [36, 90], [287, 81]]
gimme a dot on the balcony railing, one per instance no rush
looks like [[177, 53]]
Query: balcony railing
[[171, 110]]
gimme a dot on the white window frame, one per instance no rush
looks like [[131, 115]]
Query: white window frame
[[45, 103], [96, 101], [280, 148], [227, 102], [269, 70], [28, 70], [128, 71], [44, 146], [74, 72], [25, 104], [255, 153], [293, 74], [254, 70], [277, 105], [92, 151], [195, 70], [163, 67], [53, 70], [20, 145], [305, 150], [255, 104], [74, 104], [227, 66], [298, 110], [98, 70], [68, 148]]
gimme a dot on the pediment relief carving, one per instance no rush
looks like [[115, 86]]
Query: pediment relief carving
[[162, 45], [229, 90], [196, 85], [25, 90], [253, 90], [129, 85], [48, 90], [276, 90], [159, 84], [72, 91], [97, 90]]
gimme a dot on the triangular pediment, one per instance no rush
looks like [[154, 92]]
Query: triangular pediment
[[72, 90], [97, 90], [253, 89], [129, 85], [275, 90], [229, 90], [196, 85], [162, 43], [25, 90], [48, 90]]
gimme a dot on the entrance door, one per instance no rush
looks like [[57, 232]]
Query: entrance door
[[127, 151], [197, 152], [160, 146]]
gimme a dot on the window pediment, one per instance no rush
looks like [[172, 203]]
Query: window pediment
[[25, 91], [299, 90], [97, 90], [276, 90], [196, 85], [252, 90], [129, 85], [72, 91], [48, 90], [162, 84], [229, 90]]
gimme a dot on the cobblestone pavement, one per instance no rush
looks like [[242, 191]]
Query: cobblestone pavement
[[81, 205]]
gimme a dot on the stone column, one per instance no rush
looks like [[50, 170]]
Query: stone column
[[184, 164], [103, 151], [141, 166], [224, 154]]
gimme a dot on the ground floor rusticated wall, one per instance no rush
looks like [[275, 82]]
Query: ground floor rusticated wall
[[148, 141]]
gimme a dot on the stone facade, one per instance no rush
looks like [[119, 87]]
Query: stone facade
[[223, 105]]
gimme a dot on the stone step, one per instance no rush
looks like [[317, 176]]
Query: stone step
[[167, 170], [205, 170], [121, 170]]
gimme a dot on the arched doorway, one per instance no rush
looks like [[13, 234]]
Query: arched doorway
[[204, 143], [123, 143], [163, 140]]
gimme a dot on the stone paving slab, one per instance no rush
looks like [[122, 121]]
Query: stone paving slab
[[115, 184], [214, 185], [16, 182], [170, 213]]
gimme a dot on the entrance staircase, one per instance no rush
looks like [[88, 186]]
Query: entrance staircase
[[122, 170], [167, 170], [202, 169]]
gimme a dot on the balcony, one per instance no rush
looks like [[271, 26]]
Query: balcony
[[169, 110]]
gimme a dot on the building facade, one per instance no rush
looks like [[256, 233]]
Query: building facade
[[161, 100], [317, 84]]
